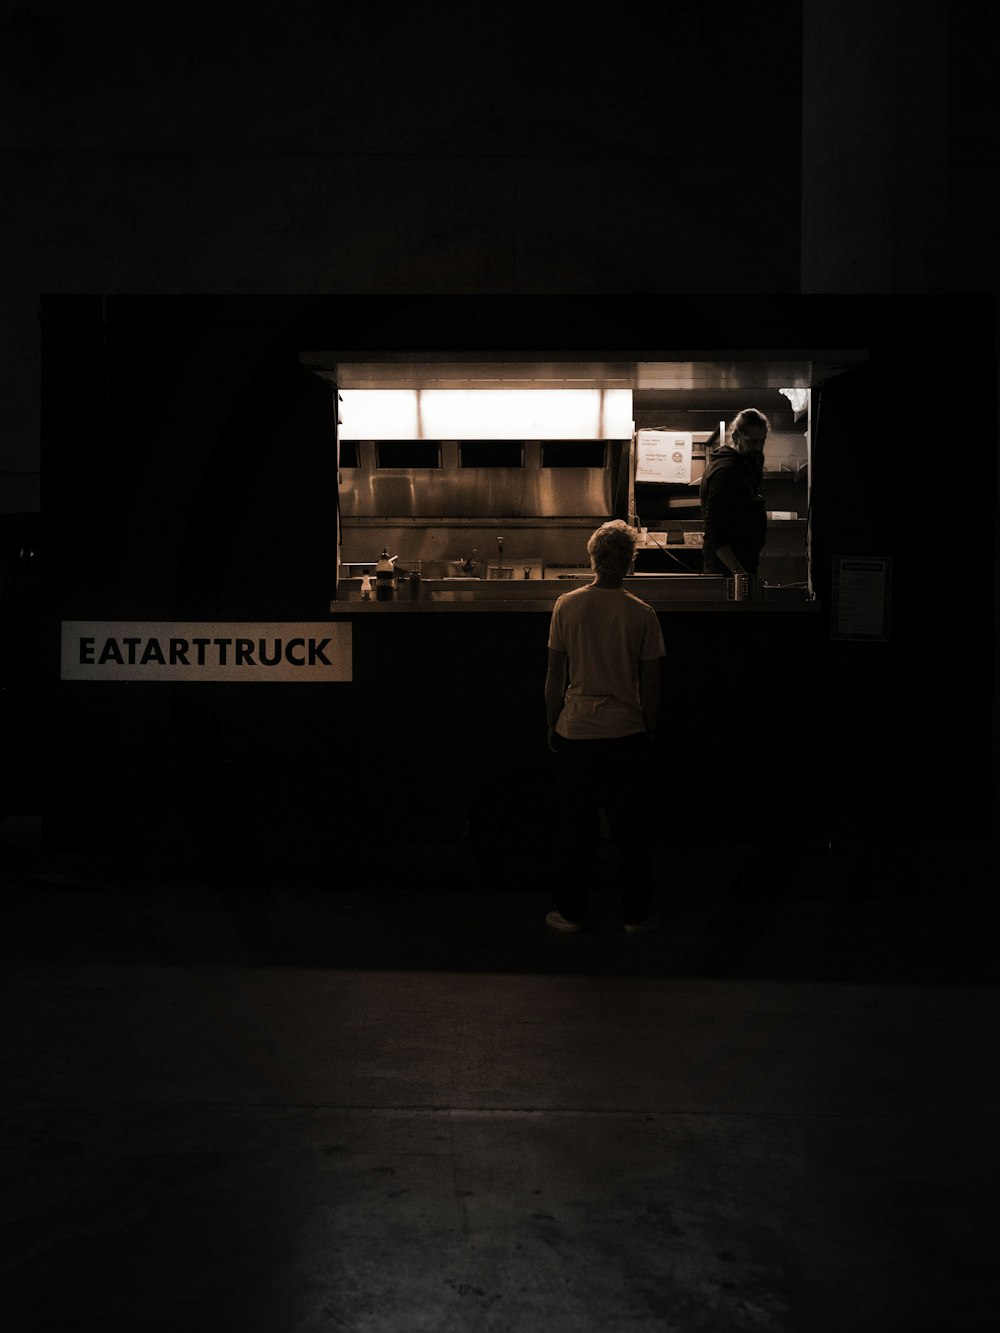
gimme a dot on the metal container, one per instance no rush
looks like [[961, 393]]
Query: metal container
[[741, 588]]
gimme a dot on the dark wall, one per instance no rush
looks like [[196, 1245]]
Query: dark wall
[[325, 149], [24, 693], [315, 147], [911, 722], [188, 473]]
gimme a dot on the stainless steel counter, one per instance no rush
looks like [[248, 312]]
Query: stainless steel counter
[[671, 592]]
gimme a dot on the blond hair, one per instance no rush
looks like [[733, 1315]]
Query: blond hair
[[611, 548]]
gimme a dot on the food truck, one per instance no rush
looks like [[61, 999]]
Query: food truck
[[466, 493], [303, 556]]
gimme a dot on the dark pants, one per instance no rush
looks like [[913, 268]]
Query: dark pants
[[611, 775]]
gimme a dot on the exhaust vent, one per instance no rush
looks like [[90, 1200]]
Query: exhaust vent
[[491, 453], [573, 453], [408, 453]]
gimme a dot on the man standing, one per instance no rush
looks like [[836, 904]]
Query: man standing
[[732, 501], [602, 701]]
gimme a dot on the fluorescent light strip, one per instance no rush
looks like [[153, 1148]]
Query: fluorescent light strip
[[486, 414]]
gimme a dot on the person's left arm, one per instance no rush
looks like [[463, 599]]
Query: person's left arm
[[649, 691], [555, 691], [650, 667]]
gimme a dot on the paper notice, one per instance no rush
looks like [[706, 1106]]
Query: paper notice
[[663, 455], [861, 592]]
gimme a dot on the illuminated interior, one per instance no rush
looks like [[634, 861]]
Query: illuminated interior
[[494, 414]]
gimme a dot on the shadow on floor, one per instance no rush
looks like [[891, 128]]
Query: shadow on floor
[[861, 911]]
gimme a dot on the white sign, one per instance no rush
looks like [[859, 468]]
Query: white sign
[[861, 593], [663, 455], [205, 650]]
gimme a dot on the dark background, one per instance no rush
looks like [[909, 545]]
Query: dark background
[[190, 192], [207, 492], [195, 198]]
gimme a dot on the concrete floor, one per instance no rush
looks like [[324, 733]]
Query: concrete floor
[[376, 1106]]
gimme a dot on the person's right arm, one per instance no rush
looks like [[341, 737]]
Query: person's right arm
[[730, 559], [555, 691]]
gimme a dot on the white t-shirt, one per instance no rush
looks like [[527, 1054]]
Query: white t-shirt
[[605, 633]]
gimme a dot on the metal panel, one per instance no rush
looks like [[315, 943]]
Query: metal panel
[[530, 491], [714, 370]]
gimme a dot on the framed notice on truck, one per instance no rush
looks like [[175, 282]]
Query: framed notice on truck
[[663, 455], [862, 588]]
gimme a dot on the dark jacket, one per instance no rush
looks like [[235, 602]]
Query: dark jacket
[[733, 508]]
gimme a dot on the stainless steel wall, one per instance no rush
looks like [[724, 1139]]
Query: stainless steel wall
[[452, 491], [544, 514], [439, 546]]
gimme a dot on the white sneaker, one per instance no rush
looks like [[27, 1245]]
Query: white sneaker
[[558, 922], [650, 923]]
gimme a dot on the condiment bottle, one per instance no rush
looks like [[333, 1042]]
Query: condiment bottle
[[385, 578]]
